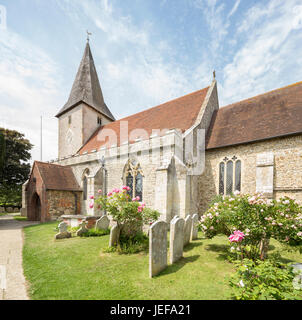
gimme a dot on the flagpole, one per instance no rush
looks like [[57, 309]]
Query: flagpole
[[41, 140]]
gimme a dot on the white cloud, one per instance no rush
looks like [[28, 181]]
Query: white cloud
[[28, 89], [268, 53], [235, 8], [141, 70]]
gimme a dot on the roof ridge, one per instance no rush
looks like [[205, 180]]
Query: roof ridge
[[175, 99], [53, 164], [262, 94]]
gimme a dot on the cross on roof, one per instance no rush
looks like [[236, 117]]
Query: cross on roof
[[88, 34]]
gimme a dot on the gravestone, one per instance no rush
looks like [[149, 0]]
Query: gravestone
[[187, 230], [194, 234], [83, 229], [157, 247], [102, 223], [114, 236], [297, 281], [63, 233], [176, 239]]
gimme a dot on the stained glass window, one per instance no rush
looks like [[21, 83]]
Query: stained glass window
[[238, 176], [228, 171], [229, 177], [139, 186], [221, 178], [129, 183]]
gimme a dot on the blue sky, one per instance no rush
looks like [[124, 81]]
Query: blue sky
[[146, 52]]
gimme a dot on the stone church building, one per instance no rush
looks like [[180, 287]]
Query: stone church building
[[251, 146]]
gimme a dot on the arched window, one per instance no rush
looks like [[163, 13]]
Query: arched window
[[134, 179], [229, 176], [221, 177]]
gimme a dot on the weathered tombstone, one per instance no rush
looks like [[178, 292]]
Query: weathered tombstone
[[102, 223], [297, 281], [114, 236], [187, 230], [194, 234], [157, 247], [82, 229], [63, 233], [176, 239]]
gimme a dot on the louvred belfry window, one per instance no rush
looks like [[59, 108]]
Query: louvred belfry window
[[229, 176]]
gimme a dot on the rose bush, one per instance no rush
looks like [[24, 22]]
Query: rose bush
[[258, 218], [129, 214]]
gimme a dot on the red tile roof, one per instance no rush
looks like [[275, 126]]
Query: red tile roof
[[179, 114], [273, 114], [56, 177]]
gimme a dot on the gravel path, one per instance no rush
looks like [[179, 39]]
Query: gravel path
[[12, 281]]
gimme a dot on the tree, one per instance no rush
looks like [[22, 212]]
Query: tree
[[14, 166]]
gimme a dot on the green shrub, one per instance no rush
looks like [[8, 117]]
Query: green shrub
[[263, 280], [130, 245], [95, 233]]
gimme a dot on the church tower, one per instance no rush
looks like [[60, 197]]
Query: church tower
[[85, 109]]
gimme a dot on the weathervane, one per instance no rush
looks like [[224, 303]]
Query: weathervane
[[88, 34]]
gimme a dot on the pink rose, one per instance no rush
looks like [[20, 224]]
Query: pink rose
[[91, 197], [91, 205], [99, 191], [237, 236], [109, 194]]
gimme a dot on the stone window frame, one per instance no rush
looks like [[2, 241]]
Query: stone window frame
[[225, 161], [134, 168]]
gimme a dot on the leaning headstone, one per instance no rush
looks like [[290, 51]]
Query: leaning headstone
[[176, 239], [157, 248], [63, 233], [114, 236], [187, 230], [194, 233], [83, 229], [102, 223]]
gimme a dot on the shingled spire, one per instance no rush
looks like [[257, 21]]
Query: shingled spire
[[86, 87]]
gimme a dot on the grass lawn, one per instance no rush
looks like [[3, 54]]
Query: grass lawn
[[77, 269], [20, 218]]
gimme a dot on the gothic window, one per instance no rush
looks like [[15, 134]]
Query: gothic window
[[134, 179], [129, 183], [238, 175], [221, 177], [69, 119], [229, 176], [139, 186], [99, 121]]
